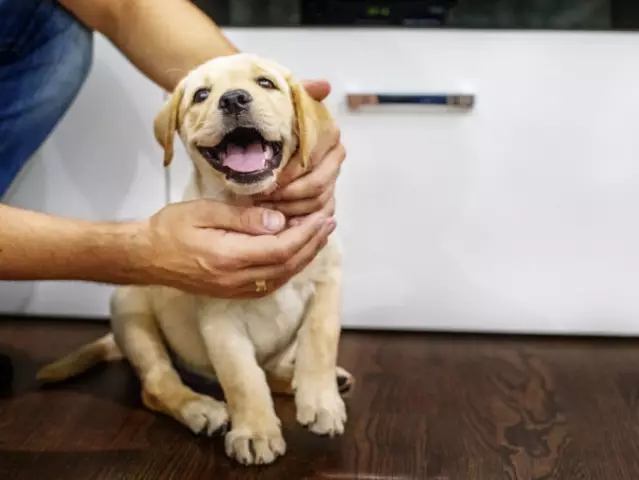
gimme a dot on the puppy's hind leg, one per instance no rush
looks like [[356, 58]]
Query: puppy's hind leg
[[281, 368], [163, 391]]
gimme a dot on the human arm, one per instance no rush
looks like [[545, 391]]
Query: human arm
[[200, 246], [164, 39], [37, 246]]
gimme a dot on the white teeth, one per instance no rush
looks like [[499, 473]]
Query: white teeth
[[268, 152]]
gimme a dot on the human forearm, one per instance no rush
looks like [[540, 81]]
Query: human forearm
[[36, 246], [167, 38], [202, 246], [163, 38]]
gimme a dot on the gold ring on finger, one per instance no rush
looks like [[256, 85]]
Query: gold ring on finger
[[260, 286]]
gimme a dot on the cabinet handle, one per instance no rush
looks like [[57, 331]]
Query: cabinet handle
[[460, 101]]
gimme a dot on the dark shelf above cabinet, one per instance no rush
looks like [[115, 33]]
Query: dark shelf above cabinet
[[595, 15]]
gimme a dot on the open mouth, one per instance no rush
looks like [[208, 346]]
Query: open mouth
[[244, 156]]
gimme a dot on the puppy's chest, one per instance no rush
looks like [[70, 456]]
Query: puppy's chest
[[273, 322]]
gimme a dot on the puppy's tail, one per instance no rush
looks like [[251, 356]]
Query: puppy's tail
[[102, 350]]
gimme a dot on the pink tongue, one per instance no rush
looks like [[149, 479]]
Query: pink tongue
[[250, 159]]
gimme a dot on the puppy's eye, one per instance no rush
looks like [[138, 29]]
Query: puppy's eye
[[265, 83], [201, 94]]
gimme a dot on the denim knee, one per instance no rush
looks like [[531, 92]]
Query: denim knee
[[39, 80]]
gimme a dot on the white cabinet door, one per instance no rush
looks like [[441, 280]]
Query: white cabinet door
[[519, 215], [515, 216], [101, 163]]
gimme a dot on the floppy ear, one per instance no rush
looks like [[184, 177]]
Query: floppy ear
[[166, 123], [311, 119]]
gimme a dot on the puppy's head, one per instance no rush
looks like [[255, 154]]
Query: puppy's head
[[241, 119]]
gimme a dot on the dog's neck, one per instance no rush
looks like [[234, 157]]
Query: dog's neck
[[200, 188]]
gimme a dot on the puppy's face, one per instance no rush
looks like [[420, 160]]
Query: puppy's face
[[241, 119]]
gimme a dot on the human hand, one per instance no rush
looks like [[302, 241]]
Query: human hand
[[225, 251], [302, 192]]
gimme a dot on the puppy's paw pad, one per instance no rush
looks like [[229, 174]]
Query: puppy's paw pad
[[255, 447], [205, 416], [324, 413]]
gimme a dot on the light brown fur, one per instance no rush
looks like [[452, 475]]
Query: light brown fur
[[286, 342]]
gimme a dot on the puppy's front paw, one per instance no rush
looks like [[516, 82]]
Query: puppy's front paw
[[257, 444], [205, 415], [320, 407]]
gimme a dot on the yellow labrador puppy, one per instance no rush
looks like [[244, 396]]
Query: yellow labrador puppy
[[241, 119]]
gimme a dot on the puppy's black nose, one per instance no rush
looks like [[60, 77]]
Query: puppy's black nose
[[235, 102]]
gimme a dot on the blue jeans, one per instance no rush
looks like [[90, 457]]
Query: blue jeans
[[45, 56]]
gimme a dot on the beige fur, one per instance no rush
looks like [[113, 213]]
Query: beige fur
[[285, 342]]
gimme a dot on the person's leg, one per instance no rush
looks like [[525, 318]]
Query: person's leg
[[45, 56]]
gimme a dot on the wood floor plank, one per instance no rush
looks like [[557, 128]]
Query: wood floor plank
[[426, 407]]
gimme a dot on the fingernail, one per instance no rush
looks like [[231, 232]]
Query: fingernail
[[294, 222], [331, 224], [270, 206], [273, 221]]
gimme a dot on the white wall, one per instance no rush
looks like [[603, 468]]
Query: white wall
[[517, 216]]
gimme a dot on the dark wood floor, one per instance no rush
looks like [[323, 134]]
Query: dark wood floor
[[425, 407]]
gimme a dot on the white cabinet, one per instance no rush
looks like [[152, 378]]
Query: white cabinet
[[518, 215]]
